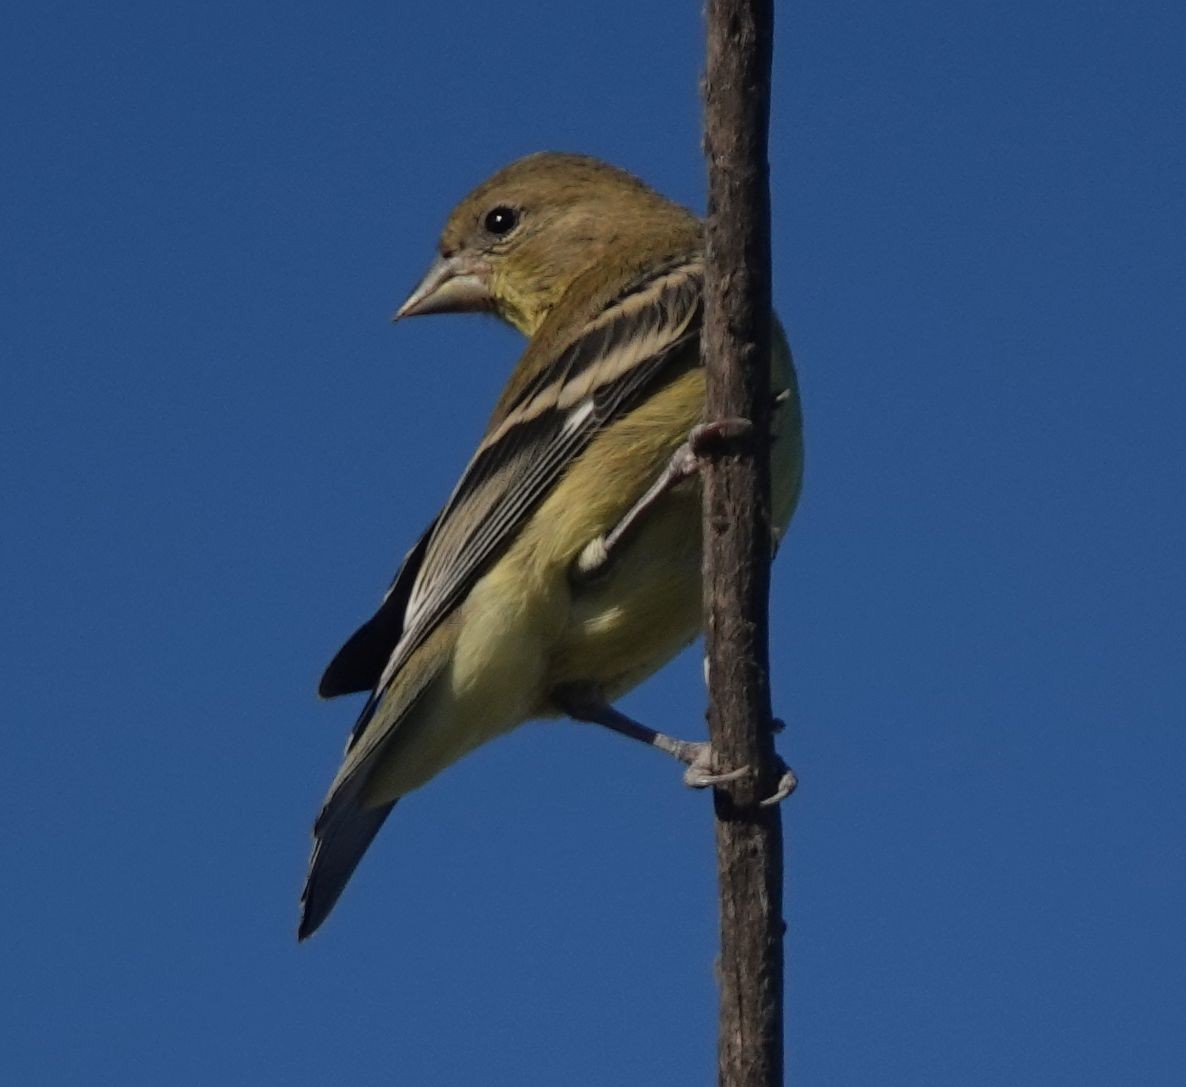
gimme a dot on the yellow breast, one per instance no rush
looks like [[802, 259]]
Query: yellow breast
[[620, 628]]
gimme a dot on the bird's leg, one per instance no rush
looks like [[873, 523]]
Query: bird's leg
[[585, 703], [684, 463]]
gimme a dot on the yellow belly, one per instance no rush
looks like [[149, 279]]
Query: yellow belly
[[629, 623], [529, 627], [621, 628]]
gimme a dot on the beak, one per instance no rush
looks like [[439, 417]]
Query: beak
[[457, 284]]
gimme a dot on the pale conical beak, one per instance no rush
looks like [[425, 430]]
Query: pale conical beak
[[456, 284]]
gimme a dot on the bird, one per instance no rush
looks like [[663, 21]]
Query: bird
[[565, 567]]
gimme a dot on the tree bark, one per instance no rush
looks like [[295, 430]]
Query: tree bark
[[736, 351]]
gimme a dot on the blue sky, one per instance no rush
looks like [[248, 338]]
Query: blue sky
[[214, 449]]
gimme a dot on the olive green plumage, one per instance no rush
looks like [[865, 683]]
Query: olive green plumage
[[485, 619]]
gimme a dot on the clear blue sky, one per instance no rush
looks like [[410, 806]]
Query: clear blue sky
[[213, 450]]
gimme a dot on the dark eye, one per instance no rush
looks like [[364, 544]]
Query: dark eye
[[501, 220]]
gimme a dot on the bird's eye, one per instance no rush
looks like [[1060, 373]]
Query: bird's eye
[[501, 220]]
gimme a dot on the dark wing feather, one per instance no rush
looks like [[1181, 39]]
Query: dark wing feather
[[358, 665]]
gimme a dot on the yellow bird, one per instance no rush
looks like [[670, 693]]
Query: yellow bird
[[565, 566]]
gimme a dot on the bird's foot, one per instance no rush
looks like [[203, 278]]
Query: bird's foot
[[704, 766], [585, 702], [704, 771]]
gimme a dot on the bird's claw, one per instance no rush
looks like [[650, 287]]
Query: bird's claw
[[706, 436], [786, 785], [704, 770]]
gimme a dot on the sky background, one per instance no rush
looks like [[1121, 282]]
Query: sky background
[[214, 449]]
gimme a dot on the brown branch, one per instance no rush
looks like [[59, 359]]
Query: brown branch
[[736, 349]]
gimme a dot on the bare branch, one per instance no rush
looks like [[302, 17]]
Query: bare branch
[[736, 347]]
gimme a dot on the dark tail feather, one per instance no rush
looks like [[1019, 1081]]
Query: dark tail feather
[[341, 842]]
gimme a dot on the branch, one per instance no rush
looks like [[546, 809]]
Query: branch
[[736, 350]]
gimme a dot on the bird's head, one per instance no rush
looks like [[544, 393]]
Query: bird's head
[[516, 243]]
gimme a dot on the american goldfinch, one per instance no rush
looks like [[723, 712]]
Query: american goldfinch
[[565, 566]]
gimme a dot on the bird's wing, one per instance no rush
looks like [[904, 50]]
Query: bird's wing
[[593, 381], [358, 665], [620, 356]]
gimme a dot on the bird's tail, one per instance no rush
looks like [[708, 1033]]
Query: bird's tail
[[341, 840]]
